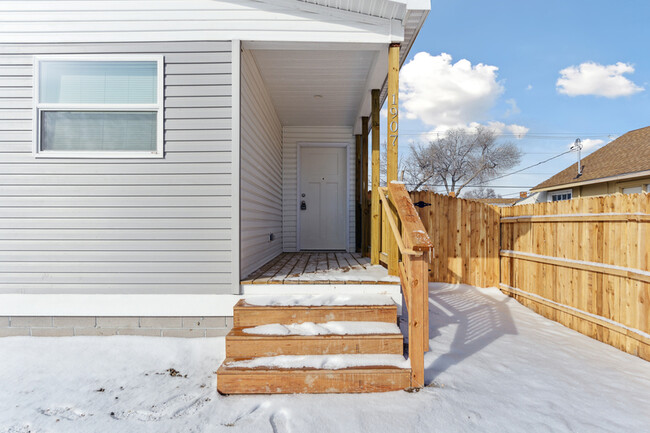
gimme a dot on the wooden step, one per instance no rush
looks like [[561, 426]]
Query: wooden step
[[247, 315], [311, 380], [243, 345]]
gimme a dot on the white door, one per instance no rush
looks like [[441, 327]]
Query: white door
[[322, 198]]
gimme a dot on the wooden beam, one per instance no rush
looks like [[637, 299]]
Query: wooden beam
[[375, 235], [635, 274], [357, 195], [580, 218], [392, 102], [365, 202], [607, 323]]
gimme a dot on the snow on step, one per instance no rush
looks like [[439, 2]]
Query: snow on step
[[319, 300], [328, 328], [370, 273], [322, 362]]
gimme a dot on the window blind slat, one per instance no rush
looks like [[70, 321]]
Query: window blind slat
[[98, 130]]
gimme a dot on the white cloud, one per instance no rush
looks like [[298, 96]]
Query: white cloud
[[529, 87], [591, 78], [498, 127], [446, 94], [514, 109], [518, 130], [449, 95]]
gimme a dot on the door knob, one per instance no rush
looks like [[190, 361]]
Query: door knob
[[303, 205]]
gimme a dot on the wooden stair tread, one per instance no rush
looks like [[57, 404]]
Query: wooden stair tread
[[247, 315], [243, 304], [241, 344], [238, 332], [266, 380], [225, 367]]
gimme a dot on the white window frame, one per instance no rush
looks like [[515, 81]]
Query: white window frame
[[158, 108], [560, 192]]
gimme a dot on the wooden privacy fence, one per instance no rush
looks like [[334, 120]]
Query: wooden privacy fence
[[465, 235], [584, 263]]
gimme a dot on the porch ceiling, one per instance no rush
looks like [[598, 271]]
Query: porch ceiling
[[317, 87]]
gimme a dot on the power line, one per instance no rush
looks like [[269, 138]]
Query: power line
[[530, 166], [501, 177], [474, 186]]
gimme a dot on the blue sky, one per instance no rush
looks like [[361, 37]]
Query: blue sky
[[530, 42]]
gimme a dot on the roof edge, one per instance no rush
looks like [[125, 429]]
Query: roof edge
[[592, 181]]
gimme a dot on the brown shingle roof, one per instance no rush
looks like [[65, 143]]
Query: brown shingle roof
[[629, 153]]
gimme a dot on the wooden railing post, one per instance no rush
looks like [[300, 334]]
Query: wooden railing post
[[375, 235], [365, 212], [415, 268], [392, 105], [358, 210], [415, 246]]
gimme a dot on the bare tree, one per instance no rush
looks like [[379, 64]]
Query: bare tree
[[481, 193], [460, 157]]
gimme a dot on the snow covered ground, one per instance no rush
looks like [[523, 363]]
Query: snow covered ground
[[494, 366]]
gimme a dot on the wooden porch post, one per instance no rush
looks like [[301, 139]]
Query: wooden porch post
[[375, 235], [392, 101], [357, 195], [365, 212]]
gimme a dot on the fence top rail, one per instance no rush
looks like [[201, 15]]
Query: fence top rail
[[580, 217], [415, 235]]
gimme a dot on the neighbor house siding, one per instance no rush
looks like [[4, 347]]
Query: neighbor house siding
[[292, 137], [261, 171], [121, 225]]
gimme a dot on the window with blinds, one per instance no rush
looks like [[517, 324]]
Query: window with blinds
[[98, 107]]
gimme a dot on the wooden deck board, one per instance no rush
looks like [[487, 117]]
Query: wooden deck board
[[295, 268]]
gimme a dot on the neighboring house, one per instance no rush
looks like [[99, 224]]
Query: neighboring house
[[155, 153], [622, 166]]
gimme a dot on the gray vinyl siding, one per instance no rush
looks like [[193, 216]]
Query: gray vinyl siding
[[121, 225], [261, 171], [292, 136]]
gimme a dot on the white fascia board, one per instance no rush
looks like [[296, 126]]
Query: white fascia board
[[383, 36], [423, 5], [116, 305]]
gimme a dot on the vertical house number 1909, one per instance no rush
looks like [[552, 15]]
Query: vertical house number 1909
[[393, 123]]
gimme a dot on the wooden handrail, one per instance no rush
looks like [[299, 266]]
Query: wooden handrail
[[393, 226], [414, 245], [415, 235]]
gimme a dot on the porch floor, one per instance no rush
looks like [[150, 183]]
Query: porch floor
[[317, 267]]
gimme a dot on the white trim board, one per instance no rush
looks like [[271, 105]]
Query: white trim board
[[117, 305], [173, 305], [236, 164]]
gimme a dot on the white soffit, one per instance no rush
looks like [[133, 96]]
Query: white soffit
[[316, 87], [377, 8]]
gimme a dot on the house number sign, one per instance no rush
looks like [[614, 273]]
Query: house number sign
[[393, 125]]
